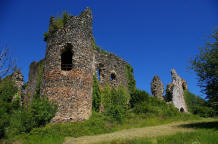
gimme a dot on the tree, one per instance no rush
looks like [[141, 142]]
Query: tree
[[7, 63], [206, 66]]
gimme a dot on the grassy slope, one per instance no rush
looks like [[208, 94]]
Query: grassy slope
[[97, 124]]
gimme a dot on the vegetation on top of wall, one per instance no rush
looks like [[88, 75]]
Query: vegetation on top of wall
[[98, 48], [57, 23]]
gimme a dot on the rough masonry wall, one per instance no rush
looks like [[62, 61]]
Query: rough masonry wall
[[157, 87], [71, 90], [111, 69], [32, 81], [177, 90]]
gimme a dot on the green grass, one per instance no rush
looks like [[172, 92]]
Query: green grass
[[97, 124], [206, 133], [199, 137]]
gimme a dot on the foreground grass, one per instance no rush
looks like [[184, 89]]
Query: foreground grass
[[205, 133], [97, 124]]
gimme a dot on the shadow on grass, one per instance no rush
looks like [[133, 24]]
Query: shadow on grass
[[202, 125]]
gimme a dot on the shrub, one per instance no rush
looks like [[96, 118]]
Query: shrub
[[197, 105], [203, 111], [42, 111], [106, 99], [115, 102], [131, 79], [154, 106], [96, 95], [7, 91], [138, 96], [45, 36], [37, 114]]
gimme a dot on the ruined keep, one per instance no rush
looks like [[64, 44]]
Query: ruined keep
[[176, 91], [65, 75], [157, 87]]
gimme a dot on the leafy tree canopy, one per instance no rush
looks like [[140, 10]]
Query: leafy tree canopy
[[205, 64]]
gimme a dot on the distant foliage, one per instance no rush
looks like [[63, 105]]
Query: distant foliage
[[96, 95], [197, 105]]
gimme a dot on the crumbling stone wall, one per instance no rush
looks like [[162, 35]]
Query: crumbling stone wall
[[32, 82], [157, 87], [176, 89], [17, 77], [111, 69]]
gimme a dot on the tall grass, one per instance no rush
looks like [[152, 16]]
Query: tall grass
[[97, 124]]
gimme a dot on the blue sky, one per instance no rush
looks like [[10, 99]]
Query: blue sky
[[152, 35]]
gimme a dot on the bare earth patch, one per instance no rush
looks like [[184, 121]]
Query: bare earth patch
[[128, 134]]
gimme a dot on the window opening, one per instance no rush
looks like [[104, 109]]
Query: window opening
[[66, 59], [113, 76]]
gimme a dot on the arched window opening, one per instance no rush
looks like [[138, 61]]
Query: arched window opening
[[113, 76], [66, 58], [181, 109]]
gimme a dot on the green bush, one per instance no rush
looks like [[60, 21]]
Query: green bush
[[131, 79], [7, 91], [138, 96], [203, 111], [156, 107], [59, 22], [197, 105], [106, 99], [37, 114], [96, 95], [115, 102], [14, 119], [42, 111]]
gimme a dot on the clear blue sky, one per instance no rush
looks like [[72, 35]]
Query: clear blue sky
[[152, 35]]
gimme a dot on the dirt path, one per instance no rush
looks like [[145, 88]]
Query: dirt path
[[126, 134]]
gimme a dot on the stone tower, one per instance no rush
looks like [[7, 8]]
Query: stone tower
[[157, 87], [68, 68]]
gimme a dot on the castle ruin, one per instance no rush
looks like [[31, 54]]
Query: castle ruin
[[69, 65]]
